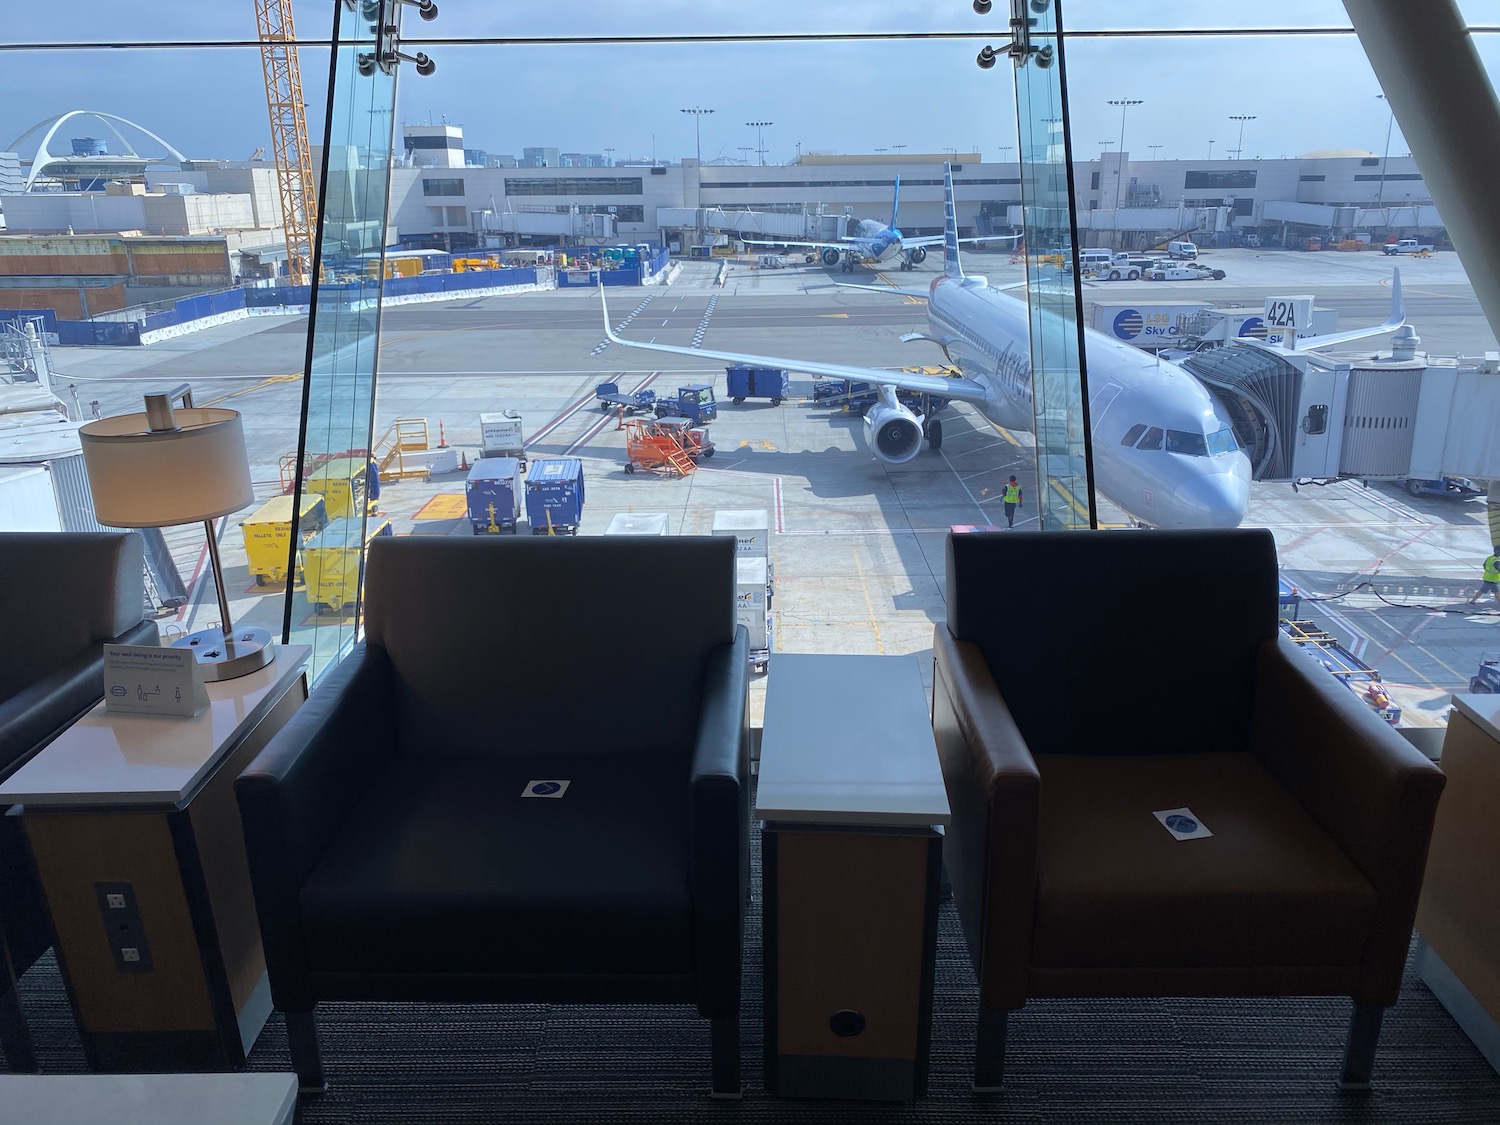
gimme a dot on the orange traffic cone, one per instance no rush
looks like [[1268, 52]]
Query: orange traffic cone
[[442, 438], [464, 461]]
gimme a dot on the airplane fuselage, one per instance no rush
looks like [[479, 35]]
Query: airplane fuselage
[[878, 241], [1163, 448]]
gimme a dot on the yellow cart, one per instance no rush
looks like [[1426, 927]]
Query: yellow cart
[[268, 534], [341, 482], [333, 563]]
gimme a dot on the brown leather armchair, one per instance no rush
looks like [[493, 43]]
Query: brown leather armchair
[[1086, 680]]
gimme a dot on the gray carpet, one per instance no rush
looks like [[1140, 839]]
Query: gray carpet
[[1097, 1062]]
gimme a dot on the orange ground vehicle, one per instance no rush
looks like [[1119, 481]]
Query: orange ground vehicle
[[649, 445]]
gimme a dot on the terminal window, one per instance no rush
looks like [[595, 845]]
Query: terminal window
[[442, 187]]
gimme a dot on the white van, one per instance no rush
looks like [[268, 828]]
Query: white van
[[1095, 259], [1182, 250]]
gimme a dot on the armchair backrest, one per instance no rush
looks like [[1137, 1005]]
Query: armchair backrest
[[61, 592], [1119, 642], [502, 645]]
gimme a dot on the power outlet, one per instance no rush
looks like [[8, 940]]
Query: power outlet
[[122, 927]]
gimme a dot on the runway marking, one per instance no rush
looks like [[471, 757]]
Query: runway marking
[[864, 588], [962, 484], [1359, 641], [780, 510], [1070, 498], [443, 506], [635, 312], [610, 416], [708, 312]]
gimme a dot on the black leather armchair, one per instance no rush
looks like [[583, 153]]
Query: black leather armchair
[[63, 596], [1086, 680], [399, 848]]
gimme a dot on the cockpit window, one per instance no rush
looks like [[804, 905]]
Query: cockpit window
[[1222, 441], [1152, 440], [1187, 441], [1133, 435]]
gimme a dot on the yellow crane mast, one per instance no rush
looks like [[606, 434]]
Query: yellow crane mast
[[292, 153]]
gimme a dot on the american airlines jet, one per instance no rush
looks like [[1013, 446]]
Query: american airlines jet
[[880, 243], [1163, 447]]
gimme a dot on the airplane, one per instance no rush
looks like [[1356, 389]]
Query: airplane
[[1164, 447], [879, 242]]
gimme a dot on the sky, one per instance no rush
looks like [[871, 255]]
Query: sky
[[1305, 92]]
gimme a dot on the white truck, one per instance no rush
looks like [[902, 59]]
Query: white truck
[[500, 436], [1407, 246]]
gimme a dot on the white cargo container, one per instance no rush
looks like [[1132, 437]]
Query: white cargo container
[[751, 528], [750, 607], [27, 502], [638, 523], [500, 436]]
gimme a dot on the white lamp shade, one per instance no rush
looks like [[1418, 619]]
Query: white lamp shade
[[142, 477]]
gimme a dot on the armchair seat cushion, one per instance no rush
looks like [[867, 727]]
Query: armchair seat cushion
[[444, 867], [1117, 891]]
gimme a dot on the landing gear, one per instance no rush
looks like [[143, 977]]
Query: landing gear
[[935, 435]]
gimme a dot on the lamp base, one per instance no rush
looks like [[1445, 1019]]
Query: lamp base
[[220, 658]]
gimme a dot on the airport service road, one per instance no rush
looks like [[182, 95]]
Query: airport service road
[[858, 545]]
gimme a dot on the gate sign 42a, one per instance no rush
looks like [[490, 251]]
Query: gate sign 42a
[[1286, 313]]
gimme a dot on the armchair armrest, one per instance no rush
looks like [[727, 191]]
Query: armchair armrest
[[38, 713], [294, 796], [994, 791], [1368, 788], [719, 826]]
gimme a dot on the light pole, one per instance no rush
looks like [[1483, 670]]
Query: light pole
[[1380, 191], [1239, 145], [1003, 150], [760, 146], [744, 149], [609, 155], [1153, 149], [1124, 104], [698, 115], [1210, 148], [898, 149]]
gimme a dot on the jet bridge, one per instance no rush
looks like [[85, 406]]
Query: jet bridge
[[1399, 415]]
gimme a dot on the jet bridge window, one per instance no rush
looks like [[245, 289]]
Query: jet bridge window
[[1152, 440], [1133, 434]]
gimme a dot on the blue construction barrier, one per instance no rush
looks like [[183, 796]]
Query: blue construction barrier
[[49, 318], [189, 309], [99, 333]]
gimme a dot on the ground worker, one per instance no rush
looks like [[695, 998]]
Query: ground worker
[[1011, 495], [1490, 582]]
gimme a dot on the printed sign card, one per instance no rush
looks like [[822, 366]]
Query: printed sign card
[[1182, 824], [146, 680]]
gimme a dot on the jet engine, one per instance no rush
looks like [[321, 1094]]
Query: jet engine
[[893, 432], [830, 256], [918, 255]]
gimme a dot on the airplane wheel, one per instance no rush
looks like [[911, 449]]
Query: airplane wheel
[[934, 436]]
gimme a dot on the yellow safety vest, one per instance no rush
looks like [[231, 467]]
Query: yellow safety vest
[[1012, 494], [1492, 569]]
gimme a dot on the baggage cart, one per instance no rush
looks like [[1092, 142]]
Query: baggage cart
[[268, 535], [492, 494], [554, 496], [333, 561], [757, 382], [638, 523], [343, 482]]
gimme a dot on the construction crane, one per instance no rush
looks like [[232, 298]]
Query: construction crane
[[292, 153]]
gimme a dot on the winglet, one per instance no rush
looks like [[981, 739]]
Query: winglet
[[1398, 306], [603, 304], [895, 201], [951, 265]]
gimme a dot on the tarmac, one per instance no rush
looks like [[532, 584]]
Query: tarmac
[[857, 545]]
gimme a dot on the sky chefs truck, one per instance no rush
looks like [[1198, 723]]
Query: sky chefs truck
[[500, 436]]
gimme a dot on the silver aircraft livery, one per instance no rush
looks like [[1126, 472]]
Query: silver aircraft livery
[[1164, 450]]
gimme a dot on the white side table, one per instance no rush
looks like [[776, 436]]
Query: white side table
[[851, 792], [149, 1099], [134, 827]]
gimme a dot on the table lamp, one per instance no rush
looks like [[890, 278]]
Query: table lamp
[[168, 467]]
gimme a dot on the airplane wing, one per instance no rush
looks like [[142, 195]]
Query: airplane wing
[[963, 389], [937, 240], [846, 244]]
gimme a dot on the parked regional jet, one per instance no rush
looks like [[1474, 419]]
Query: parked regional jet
[[878, 242], [1164, 450]]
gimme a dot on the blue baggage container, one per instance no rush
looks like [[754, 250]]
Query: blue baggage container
[[493, 495], [554, 496], [757, 382]]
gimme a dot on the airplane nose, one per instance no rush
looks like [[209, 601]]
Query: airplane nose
[[1219, 500]]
